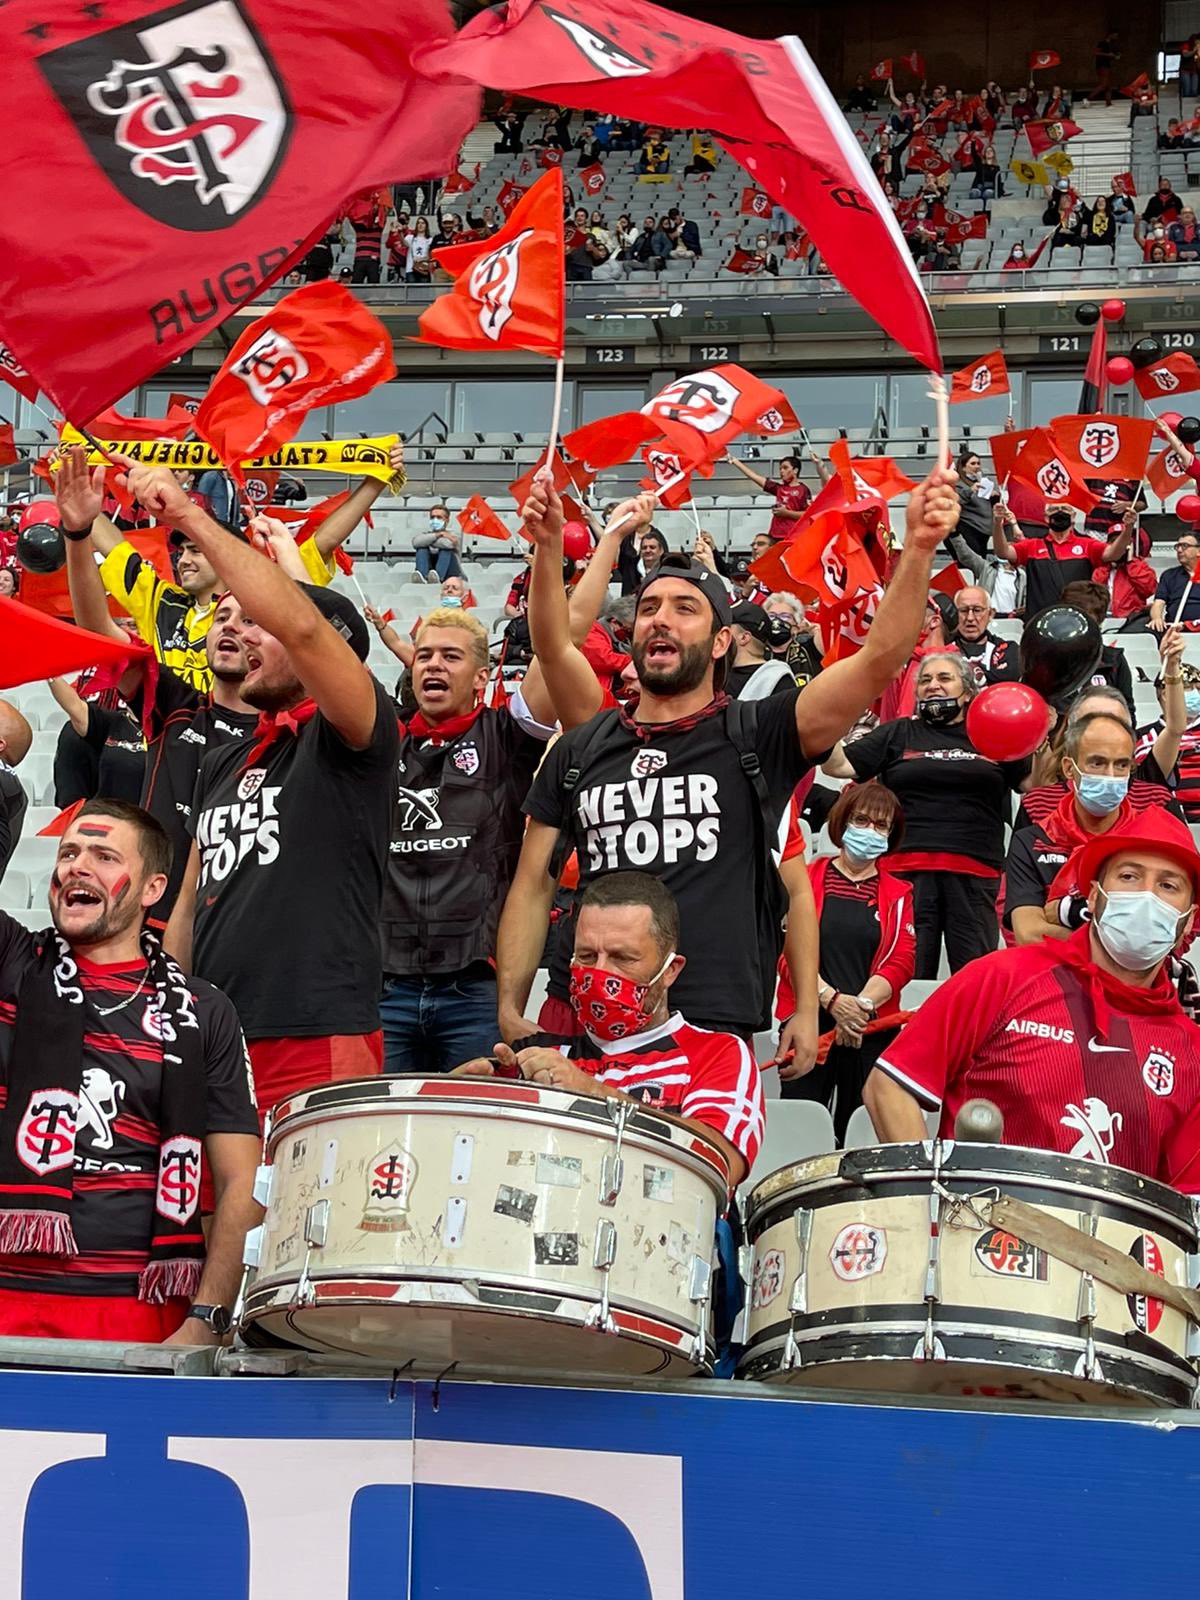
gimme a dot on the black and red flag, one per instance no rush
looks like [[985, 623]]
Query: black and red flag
[[1095, 379]]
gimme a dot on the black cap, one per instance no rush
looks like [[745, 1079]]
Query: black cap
[[344, 615], [741, 569], [709, 583], [757, 622]]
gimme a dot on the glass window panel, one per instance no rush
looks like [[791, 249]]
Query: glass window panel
[[1053, 397], [912, 408], [833, 400], [520, 405], [393, 408], [605, 400]]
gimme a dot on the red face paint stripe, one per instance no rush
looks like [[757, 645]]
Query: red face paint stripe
[[94, 829], [119, 888]]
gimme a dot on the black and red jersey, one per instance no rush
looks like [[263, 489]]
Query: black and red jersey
[[1183, 781], [1050, 566], [1075, 1060], [1040, 803]]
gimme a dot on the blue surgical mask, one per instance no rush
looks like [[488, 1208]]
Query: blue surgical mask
[[1138, 929], [1099, 794], [1191, 700], [452, 600], [864, 844], [437, 522]]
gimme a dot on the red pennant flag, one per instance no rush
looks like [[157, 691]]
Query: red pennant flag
[[1142, 81], [764, 100], [318, 346], [1106, 446], [550, 157], [458, 183], [34, 647], [611, 440], [743, 261], [1045, 465], [1040, 60], [1168, 472], [754, 203], [1045, 134], [948, 581], [1173, 374], [927, 158], [8, 449], [14, 373], [190, 403], [592, 179], [1123, 184], [965, 228], [478, 517], [702, 412], [177, 424], [198, 187], [667, 467], [978, 380], [508, 290], [58, 825], [882, 70], [915, 64], [520, 487], [511, 194]]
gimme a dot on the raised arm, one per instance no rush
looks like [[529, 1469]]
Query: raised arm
[[79, 494], [587, 599], [1002, 518], [337, 527], [746, 472], [1165, 749], [324, 662], [73, 704], [570, 685], [403, 649], [837, 697], [1119, 543]]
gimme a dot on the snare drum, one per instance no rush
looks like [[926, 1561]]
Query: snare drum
[[497, 1225], [878, 1269]]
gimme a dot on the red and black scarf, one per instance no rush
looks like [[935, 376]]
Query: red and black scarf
[[271, 724], [41, 1115], [652, 730], [443, 732]]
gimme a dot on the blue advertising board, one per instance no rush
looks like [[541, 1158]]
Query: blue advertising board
[[323, 1489]]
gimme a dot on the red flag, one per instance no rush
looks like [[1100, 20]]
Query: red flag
[[520, 487], [1173, 374], [58, 825], [34, 647], [1095, 375], [458, 183], [177, 424], [915, 64], [798, 249], [663, 467], [948, 581], [754, 203], [1006, 447], [14, 373], [190, 403], [478, 517], [1168, 472], [611, 440], [592, 179], [1106, 446], [1142, 81], [927, 158], [1123, 184], [743, 261], [763, 99], [1040, 60], [200, 179], [318, 346], [551, 156], [260, 486], [8, 448], [979, 379], [1044, 135], [510, 195], [702, 412], [965, 228], [829, 562], [508, 290], [1046, 466], [523, 171], [882, 70]]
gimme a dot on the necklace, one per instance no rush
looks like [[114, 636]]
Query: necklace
[[111, 1010]]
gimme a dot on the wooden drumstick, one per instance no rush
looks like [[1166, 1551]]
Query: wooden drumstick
[[979, 1122]]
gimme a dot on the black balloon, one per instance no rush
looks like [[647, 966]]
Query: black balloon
[[1087, 315], [40, 547], [1145, 351], [1188, 429], [1060, 650]]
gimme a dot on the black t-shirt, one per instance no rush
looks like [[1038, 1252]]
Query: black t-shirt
[[118, 1137], [76, 768], [993, 660], [677, 803], [954, 799], [293, 852], [1034, 861], [121, 749], [849, 930], [13, 805], [184, 726]]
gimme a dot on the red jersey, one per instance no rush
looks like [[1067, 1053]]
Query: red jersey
[[708, 1077], [1075, 1060], [788, 497]]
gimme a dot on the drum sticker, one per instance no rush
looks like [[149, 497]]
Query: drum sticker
[[299, 1150], [1146, 1312], [286, 1250], [556, 1249], [859, 1251], [658, 1183], [390, 1177], [518, 1204], [564, 1171], [1003, 1255], [767, 1283], [679, 1243]]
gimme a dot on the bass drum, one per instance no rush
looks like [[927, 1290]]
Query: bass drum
[[878, 1269], [495, 1226]]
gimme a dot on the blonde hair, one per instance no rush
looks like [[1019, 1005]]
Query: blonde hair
[[452, 617]]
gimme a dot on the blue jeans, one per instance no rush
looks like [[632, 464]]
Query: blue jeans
[[445, 561], [433, 1024]]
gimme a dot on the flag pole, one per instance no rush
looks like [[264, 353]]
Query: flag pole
[[941, 405], [557, 407]]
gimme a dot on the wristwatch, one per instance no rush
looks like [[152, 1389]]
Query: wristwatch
[[217, 1317], [867, 1003]]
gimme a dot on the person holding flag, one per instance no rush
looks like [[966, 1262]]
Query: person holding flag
[[792, 498], [1059, 556]]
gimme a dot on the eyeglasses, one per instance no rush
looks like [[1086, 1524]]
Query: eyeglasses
[[1188, 544], [972, 611]]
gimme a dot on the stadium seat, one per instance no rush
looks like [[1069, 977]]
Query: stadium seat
[[795, 1129]]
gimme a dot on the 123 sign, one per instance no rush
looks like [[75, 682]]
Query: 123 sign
[[609, 355]]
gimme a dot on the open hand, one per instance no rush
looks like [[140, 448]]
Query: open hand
[[78, 490]]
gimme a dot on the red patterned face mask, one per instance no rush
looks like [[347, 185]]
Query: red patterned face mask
[[609, 1005]]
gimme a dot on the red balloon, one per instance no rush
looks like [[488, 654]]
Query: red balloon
[[1112, 310], [1187, 508], [1007, 721], [1171, 418], [577, 541], [39, 511], [1119, 369]]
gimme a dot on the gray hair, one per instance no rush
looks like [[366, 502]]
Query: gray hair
[[970, 688], [793, 603], [1077, 730], [1098, 691], [621, 610]]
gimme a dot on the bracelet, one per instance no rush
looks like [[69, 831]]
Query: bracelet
[[77, 535], [833, 998], [1165, 680]]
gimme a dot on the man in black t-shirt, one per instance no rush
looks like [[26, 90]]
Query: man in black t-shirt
[[15, 738], [669, 790], [280, 901]]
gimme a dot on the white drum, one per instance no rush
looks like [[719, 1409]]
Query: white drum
[[879, 1269], [492, 1225]]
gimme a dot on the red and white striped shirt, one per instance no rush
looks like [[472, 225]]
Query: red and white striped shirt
[[707, 1077]]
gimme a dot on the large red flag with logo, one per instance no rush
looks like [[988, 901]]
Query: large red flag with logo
[[508, 289], [829, 561], [1040, 60], [1106, 446], [9, 454], [663, 468], [207, 144], [1173, 374], [1050, 468], [477, 517], [1049, 132], [764, 100], [611, 440], [702, 412], [1167, 472], [754, 203], [318, 346], [978, 380], [14, 373]]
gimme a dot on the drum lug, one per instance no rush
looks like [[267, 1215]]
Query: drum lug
[[929, 1346], [746, 1264], [263, 1181], [791, 1358], [603, 1256], [1087, 1366], [804, 1227], [316, 1231], [612, 1176], [252, 1248], [700, 1281]]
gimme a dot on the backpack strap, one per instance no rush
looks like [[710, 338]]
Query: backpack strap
[[598, 734]]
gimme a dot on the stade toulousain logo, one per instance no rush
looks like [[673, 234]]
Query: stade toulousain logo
[[609, 58], [183, 110]]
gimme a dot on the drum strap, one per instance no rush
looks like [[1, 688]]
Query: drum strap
[[1078, 1249]]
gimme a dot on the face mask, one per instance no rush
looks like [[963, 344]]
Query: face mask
[[1099, 794], [452, 600], [609, 1005], [938, 712], [1060, 521], [1191, 700], [437, 522], [1138, 929], [760, 244], [864, 844]]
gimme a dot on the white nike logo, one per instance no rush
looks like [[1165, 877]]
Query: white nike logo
[[1106, 1049]]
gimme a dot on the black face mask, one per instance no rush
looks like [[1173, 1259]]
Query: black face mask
[[938, 712], [1059, 521]]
